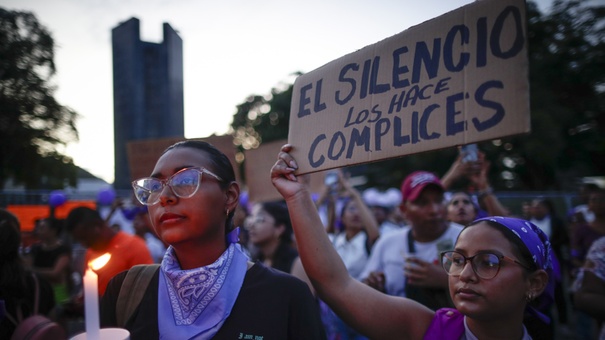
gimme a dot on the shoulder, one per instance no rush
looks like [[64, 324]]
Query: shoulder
[[448, 323], [454, 227], [116, 282], [129, 238], [597, 248], [396, 237]]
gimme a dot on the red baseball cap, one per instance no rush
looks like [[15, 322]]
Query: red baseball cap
[[416, 182]]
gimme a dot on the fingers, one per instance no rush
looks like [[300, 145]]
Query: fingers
[[285, 164], [376, 280], [286, 157]]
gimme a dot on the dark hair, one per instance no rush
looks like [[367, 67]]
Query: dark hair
[[340, 226], [279, 212], [83, 215], [11, 270], [54, 224], [221, 166]]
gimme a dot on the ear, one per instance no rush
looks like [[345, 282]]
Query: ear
[[538, 281], [232, 196]]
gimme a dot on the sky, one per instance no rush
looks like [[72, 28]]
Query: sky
[[231, 49]]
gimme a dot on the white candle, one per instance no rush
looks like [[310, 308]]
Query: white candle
[[91, 297], [91, 304]]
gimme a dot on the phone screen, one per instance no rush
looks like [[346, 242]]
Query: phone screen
[[469, 153]]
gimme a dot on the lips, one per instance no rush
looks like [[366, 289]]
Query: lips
[[467, 293], [170, 218]]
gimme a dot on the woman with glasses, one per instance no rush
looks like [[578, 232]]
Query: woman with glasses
[[205, 286], [498, 270]]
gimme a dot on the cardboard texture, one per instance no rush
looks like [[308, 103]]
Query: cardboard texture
[[453, 80], [257, 167], [143, 154]]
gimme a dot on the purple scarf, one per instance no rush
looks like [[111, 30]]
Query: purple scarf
[[195, 303]]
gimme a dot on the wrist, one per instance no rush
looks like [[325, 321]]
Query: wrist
[[484, 192]]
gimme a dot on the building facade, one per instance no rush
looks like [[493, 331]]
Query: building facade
[[147, 91]]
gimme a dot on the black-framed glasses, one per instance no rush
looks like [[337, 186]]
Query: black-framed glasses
[[485, 264], [184, 184]]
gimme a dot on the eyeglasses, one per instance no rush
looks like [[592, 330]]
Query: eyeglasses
[[486, 265], [183, 184]]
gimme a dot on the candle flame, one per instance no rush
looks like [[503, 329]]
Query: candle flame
[[99, 262]]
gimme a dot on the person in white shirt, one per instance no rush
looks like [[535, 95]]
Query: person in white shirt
[[406, 262], [383, 205]]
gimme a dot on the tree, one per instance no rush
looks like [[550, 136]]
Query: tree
[[32, 122], [567, 74], [263, 118], [566, 51]]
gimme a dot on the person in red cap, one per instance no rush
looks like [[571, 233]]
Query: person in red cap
[[406, 263]]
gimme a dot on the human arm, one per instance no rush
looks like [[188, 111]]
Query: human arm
[[368, 220], [480, 181], [590, 298], [374, 314], [56, 274], [457, 170], [326, 200]]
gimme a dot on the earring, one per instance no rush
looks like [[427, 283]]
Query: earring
[[529, 297], [227, 212]]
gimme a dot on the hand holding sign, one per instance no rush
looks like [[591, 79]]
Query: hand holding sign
[[454, 80]]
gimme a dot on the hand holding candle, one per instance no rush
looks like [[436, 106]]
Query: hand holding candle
[[91, 296]]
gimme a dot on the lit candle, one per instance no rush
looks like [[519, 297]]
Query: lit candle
[[91, 297]]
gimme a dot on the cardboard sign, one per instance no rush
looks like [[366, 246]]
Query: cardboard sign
[[143, 154], [257, 167], [453, 80]]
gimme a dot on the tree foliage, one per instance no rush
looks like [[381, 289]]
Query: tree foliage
[[566, 50], [32, 122], [567, 75]]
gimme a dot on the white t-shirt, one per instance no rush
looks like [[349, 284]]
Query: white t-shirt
[[544, 224], [390, 251], [352, 252]]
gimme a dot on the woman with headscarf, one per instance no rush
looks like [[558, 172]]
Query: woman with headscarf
[[498, 274]]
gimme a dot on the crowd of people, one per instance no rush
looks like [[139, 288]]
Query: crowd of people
[[342, 263]]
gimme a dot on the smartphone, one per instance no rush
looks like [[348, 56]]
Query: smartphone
[[469, 153], [331, 179]]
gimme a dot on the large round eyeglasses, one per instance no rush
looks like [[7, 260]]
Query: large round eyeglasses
[[485, 264], [183, 184]]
